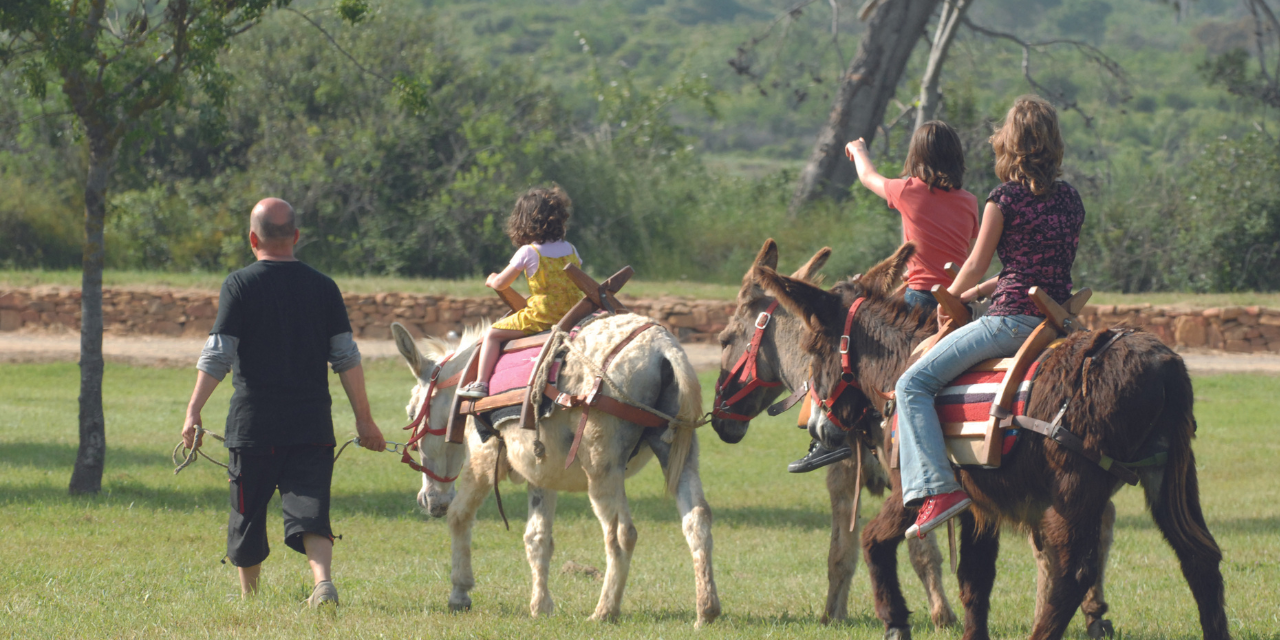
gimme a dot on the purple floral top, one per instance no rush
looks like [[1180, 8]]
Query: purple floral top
[[1037, 246]]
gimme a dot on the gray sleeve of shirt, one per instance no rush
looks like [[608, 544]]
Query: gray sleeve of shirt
[[218, 355], [344, 355]]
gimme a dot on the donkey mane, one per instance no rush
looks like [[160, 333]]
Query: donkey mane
[[436, 348]]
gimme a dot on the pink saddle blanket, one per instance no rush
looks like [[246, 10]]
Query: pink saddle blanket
[[513, 370]]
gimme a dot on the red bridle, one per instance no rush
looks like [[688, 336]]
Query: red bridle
[[424, 421], [745, 372], [847, 379]]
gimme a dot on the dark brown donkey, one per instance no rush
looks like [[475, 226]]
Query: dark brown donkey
[[779, 359], [1139, 402], [783, 363]]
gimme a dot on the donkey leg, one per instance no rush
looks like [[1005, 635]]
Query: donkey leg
[[472, 490], [1174, 499], [880, 540], [539, 545], [926, 559], [695, 522], [976, 574], [1095, 605], [842, 559], [609, 501], [1072, 545]]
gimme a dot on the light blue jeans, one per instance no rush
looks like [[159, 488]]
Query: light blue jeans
[[920, 299], [926, 471]]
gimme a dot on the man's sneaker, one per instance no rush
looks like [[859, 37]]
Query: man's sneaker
[[818, 457], [474, 390], [936, 510], [324, 593]]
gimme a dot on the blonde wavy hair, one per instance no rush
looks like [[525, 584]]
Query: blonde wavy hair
[[1028, 146]]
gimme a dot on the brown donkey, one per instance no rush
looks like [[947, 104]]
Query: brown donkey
[[1138, 403], [780, 359]]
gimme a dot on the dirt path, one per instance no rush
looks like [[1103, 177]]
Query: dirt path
[[183, 352]]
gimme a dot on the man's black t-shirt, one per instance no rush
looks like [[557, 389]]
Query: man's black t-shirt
[[283, 314]]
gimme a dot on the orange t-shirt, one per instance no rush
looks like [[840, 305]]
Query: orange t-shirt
[[940, 222]]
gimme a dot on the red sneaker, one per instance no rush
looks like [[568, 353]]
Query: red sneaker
[[936, 510]]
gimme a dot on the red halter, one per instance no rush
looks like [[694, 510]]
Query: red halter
[[847, 378], [744, 371], [421, 425]]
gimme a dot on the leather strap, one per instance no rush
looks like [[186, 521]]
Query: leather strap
[[745, 371], [790, 401], [421, 426], [1056, 432], [582, 422], [497, 494], [1089, 359], [847, 379]]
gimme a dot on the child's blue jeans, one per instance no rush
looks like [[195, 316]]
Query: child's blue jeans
[[926, 471]]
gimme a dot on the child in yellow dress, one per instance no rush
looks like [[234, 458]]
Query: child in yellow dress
[[537, 225]]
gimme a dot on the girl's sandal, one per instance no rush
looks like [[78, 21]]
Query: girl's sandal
[[474, 390]]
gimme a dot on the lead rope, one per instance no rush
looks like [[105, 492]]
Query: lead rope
[[857, 484], [497, 462], [951, 543], [189, 455]]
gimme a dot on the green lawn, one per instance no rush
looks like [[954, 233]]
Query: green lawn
[[475, 287], [142, 559]]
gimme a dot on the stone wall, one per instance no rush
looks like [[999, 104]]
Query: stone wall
[[1232, 329], [191, 313]]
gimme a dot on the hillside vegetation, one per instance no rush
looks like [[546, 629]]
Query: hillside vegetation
[[676, 163]]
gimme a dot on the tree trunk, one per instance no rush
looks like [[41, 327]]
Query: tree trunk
[[930, 98], [87, 475], [865, 91]]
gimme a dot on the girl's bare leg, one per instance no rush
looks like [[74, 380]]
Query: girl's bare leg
[[490, 349]]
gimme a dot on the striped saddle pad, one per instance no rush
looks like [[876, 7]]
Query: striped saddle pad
[[964, 405]]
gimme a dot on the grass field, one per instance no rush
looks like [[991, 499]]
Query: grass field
[[475, 287], [142, 558]]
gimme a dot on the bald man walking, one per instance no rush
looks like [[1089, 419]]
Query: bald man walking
[[279, 322]]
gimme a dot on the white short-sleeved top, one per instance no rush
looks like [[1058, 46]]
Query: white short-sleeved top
[[526, 257]]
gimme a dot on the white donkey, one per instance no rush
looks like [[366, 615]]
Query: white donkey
[[653, 370]]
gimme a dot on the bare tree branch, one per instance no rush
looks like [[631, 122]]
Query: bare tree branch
[[337, 46], [1091, 52]]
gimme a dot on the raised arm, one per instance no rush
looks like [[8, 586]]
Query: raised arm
[[867, 174]]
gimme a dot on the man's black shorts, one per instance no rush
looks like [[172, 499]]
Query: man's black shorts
[[302, 473]]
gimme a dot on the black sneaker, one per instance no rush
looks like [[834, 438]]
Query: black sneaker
[[818, 457]]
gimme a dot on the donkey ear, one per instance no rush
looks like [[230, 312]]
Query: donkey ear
[[407, 347], [768, 256], [816, 307], [883, 277], [811, 268]]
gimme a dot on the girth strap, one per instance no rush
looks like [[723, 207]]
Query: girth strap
[[1056, 432], [605, 403]]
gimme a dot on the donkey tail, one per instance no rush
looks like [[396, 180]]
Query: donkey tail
[[686, 419], [1175, 503]]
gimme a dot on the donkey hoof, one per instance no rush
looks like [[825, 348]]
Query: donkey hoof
[[460, 604], [1100, 629], [897, 633]]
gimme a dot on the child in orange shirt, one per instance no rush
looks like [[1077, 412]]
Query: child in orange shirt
[[937, 215]]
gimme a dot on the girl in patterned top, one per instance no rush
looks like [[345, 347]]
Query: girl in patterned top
[[1033, 222], [537, 225]]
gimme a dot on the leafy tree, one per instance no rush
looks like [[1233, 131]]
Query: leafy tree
[[116, 63]]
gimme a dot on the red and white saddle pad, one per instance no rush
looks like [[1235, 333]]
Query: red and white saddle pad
[[964, 405]]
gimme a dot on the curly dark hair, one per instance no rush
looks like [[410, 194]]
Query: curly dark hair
[[936, 156], [541, 215]]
